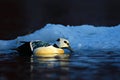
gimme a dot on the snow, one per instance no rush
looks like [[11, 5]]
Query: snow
[[81, 37]]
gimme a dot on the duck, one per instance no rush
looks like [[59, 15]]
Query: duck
[[44, 49]]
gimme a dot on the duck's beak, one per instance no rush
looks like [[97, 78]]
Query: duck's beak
[[71, 50]]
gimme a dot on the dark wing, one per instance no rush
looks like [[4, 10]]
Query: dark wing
[[36, 44], [25, 49]]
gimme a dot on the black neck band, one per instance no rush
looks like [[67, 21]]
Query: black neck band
[[55, 46]]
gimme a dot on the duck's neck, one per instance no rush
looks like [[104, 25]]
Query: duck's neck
[[55, 45]]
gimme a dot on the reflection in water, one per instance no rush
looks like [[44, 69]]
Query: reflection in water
[[86, 65], [49, 68]]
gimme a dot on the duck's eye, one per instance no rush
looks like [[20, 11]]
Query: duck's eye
[[65, 41], [58, 39]]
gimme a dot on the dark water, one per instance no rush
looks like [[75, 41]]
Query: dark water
[[85, 65]]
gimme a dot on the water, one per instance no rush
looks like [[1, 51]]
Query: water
[[85, 65]]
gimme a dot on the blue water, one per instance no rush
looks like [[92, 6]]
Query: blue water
[[84, 65]]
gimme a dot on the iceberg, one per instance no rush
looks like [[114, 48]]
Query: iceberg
[[83, 37]]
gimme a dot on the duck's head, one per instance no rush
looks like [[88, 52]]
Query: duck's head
[[64, 44]]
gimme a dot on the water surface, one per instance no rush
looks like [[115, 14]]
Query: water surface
[[85, 65]]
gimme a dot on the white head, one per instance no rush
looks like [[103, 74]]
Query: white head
[[63, 43]]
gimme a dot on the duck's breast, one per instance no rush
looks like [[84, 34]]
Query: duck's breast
[[48, 51]]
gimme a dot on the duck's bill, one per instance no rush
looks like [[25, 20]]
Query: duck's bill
[[69, 48]]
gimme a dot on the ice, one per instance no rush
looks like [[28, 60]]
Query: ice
[[80, 37]]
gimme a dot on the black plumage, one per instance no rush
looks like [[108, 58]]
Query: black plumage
[[25, 49]]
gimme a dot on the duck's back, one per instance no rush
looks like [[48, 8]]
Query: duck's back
[[37, 44]]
